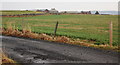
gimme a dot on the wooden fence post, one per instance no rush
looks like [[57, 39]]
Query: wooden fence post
[[55, 29], [110, 33]]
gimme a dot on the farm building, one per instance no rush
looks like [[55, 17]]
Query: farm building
[[70, 12], [53, 11], [75, 12], [43, 10], [85, 12]]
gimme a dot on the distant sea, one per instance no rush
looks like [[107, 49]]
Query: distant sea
[[107, 12]]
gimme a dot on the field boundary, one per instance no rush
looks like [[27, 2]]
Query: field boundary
[[61, 39], [21, 15]]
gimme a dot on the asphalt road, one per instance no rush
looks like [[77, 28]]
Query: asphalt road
[[39, 51]]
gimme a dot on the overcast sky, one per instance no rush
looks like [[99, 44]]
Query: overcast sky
[[76, 5], [59, 0]]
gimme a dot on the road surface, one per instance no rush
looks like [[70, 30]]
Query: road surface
[[39, 51]]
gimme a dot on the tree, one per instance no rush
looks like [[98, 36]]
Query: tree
[[65, 12], [97, 12]]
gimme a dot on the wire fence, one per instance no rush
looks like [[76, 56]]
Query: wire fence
[[86, 27]]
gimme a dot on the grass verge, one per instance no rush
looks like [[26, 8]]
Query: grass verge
[[11, 31], [5, 60]]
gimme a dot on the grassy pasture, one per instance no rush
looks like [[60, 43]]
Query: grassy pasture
[[13, 12], [86, 27]]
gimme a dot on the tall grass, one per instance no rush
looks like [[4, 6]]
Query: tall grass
[[27, 33], [87, 27]]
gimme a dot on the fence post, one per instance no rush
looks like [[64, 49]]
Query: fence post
[[110, 33], [55, 29]]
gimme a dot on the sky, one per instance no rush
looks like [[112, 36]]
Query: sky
[[59, 0], [61, 5]]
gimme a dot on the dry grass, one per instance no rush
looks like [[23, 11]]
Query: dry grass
[[26, 32], [62, 39], [5, 60]]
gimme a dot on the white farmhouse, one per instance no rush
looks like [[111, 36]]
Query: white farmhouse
[[53, 11]]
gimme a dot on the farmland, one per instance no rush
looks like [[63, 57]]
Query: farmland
[[12, 12], [84, 27]]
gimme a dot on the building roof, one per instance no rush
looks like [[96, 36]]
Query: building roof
[[53, 10]]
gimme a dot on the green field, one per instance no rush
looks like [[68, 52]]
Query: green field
[[12, 12], [86, 27]]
